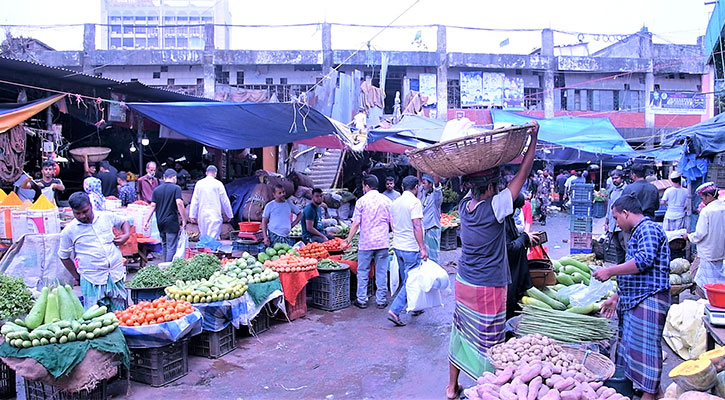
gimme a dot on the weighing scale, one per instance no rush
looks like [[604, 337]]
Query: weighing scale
[[716, 315]]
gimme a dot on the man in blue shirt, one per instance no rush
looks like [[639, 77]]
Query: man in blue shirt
[[431, 196], [643, 296], [312, 228]]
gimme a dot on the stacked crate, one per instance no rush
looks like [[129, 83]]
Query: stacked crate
[[582, 203]]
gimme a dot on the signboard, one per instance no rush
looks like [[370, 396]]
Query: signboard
[[669, 102], [513, 93], [116, 110], [493, 89], [427, 87], [471, 87]]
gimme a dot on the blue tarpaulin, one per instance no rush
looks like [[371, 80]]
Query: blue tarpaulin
[[596, 136], [707, 137], [411, 130], [234, 126]]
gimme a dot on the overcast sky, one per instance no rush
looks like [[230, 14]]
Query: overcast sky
[[675, 21]]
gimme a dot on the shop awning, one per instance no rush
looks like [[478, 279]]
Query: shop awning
[[12, 114], [233, 126], [708, 137]]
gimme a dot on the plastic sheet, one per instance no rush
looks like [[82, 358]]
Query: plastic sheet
[[158, 335], [35, 258]]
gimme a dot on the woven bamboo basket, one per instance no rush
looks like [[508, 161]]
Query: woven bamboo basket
[[600, 366], [95, 154], [470, 154]]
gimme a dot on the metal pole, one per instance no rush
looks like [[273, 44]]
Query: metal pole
[[139, 136], [601, 173]]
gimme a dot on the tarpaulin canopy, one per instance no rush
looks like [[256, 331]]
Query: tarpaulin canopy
[[234, 126], [708, 137], [584, 136], [12, 114]]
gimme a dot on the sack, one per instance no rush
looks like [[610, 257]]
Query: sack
[[418, 298], [300, 179], [254, 206], [181, 245], [289, 187]]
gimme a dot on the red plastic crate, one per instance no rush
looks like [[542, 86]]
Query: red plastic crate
[[299, 310], [580, 240]]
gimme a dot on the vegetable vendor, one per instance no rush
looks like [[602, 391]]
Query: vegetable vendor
[[431, 196], [643, 297], [100, 265], [277, 218], [709, 238], [483, 272], [312, 228]]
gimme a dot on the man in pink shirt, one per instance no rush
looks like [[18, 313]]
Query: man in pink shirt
[[372, 216]]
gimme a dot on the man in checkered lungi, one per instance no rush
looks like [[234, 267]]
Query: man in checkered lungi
[[643, 297]]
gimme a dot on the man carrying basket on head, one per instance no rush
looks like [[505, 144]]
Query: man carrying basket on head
[[483, 272]]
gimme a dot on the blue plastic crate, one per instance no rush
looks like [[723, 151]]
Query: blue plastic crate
[[580, 224], [253, 249], [582, 193], [600, 209], [581, 209], [580, 251]]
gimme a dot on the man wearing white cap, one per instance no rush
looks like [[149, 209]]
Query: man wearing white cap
[[675, 198], [208, 203], [709, 237]]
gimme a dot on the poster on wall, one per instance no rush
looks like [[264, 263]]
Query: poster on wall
[[471, 87], [427, 87], [669, 102], [492, 92], [513, 93]]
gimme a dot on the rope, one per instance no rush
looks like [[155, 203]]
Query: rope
[[12, 159]]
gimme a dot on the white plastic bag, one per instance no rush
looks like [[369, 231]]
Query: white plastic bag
[[593, 293], [394, 280], [433, 276], [181, 245], [419, 299]]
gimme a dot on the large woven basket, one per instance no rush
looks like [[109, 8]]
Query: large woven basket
[[474, 153], [601, 367], [95, 154]]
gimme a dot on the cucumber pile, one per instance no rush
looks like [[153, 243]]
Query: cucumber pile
[[58, 317]]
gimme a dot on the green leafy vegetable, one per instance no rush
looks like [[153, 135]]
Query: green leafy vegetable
[[15, 298], [150, 276], [201, 266]]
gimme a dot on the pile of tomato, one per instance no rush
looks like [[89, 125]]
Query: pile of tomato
[[335, 244], [314, 250], [154, 312], [292, 263]]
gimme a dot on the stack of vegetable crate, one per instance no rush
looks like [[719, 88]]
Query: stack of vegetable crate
[[7, 381], [329, 291], [213, 344], [158, 366], [582, 202]]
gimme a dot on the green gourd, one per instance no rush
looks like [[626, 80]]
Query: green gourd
[[37, 313]]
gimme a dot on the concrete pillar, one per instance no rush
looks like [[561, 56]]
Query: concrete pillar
[[442, 74], [645, 52], [208, 62], [326, 47], [89, 47], [547, 50]]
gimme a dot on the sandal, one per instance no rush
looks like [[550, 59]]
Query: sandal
[[459, 391], [417, 313], [395, 319]]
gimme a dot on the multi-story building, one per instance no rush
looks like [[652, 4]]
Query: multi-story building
[[715, 52], [645, 88]]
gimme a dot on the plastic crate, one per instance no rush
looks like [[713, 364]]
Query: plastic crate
[[580, 251], [158, 366], [581, 209], [299, 310], [329, 290], [254, 248], [146, 294], [582, 193], [7, 381], [580, 240], [580, 224], [449, 239], [257, 325], [36, 390], [213, 344], [600, 209]]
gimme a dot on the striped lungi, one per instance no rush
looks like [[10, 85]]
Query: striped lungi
[[432, 240], [478, 324], [640, 341]]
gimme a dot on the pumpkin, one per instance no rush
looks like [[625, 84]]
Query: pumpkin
[[694, 375], [675, 279], [694, 395], [716, 357], [679, 265]]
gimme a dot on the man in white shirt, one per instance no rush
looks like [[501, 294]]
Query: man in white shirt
[[91, 239], [710, 238], [408, 241], [209, 203], [675, 198]]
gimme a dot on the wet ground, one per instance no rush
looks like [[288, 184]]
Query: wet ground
[[346, 354]]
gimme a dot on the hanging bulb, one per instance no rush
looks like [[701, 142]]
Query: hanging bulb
[[145, 141], [132, 149]]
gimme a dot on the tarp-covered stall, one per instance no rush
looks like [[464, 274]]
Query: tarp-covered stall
[[705, 139]]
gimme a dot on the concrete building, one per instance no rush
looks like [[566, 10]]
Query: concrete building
[[617, 82], [714, 53]]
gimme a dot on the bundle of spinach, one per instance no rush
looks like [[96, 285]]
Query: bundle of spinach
[[15, 298], [150, 276]]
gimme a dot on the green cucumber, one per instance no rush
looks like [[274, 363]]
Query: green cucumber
[[557, 265], [90, 336], [547, 290], [72, 336], [571, 261], [51, 308], [63, 340], [37, 313], [44, 341], [564, 279], [19, 322], [579, 277], [76, 302], [36, 342], [594, 307], [538, 295], [27, 343], [81, 335], [534, 302], [93, 313], [53, 340]]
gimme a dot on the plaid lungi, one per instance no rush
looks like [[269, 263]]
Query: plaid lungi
[[640, 341], [478, 324], [432, 240], [275, 238], [674, 224]]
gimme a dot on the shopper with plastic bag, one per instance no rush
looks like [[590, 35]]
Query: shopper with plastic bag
[[424, 286]]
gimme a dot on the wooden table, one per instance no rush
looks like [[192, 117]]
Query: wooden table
[[675, 291], [715, 335]]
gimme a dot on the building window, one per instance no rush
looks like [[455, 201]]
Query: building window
[[157, 75], [559, 81], [577, 99], [682, 76], [615, 100], [134, 79], [564, 99], [533, 98], [454, 93], [170, 82], [164, 68], [657, 87], [269, 81], [221, 76], [590, 100], [240, 77], [282, 81]]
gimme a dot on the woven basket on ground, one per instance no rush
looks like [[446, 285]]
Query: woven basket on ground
[[600, 366], [95, 154], [470, 154]]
